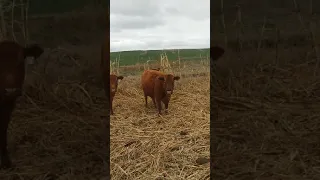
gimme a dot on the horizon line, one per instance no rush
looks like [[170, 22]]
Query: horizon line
[[158, 49]]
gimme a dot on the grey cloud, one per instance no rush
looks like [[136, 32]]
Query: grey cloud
[[192, 14], [142, 8], [145, 24], [136, 22], [115, 29], [196, 10], [172, 10]]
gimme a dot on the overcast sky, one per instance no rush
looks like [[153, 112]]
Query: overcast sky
[[159, 24]]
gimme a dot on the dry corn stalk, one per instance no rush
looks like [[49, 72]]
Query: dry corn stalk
[[114, 66], [146, 65], [164, 63], [7, 30]]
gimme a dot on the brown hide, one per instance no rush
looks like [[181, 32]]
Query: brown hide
[[113, 88], [159, 86], [105, 72], [12, 75]]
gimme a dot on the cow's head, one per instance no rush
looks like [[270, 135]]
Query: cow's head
[[114, 82], [34, 51], [168, 81]]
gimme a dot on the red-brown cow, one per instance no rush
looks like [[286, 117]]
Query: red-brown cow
[[216, 53], [113, 88], [12, 75], [159, 86], [105, 70]]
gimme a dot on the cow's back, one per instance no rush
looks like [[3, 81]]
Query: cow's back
[[148, 81]]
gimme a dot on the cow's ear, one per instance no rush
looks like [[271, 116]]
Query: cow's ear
[[176, 78], [120, 77], [161, 78]]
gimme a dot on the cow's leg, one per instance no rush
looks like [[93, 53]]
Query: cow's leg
[[146, 100], [5, 113], [154, 102], [158, 102], [165, 101], [166, 107]]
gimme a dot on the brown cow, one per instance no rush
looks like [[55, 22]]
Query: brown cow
[[159, 86], [105, 70], [216, 52], [113, 88], [12, 76]]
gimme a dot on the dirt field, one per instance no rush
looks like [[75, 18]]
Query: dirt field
[[266, 123], [57, 128], [174, 146], [265, 101], [265, 119]]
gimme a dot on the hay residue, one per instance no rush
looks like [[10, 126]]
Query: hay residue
[[145, 146]]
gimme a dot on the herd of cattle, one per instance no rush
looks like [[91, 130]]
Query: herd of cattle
[[155, 84]]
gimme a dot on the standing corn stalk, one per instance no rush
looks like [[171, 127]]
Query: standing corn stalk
[[179, 62], [8, 19], [146, 65], [3, 26], [164, 63], [114, 66], [24, 14]]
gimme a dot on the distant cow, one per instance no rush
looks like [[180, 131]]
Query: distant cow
[[159, 86], [113, 88], [105, 70], [12, 76], [216, 52]]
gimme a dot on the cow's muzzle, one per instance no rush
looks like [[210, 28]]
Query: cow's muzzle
[[169, 92]]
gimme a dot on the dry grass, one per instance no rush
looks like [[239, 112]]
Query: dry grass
[[266, 120], [57, 128], [265, 93], [145, 146]]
